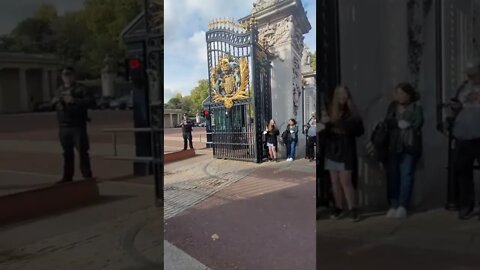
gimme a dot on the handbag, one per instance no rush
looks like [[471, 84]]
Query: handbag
[[378, 146], [285, 136]]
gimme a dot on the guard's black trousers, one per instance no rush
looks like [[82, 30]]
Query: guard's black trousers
[[187, 136], [311, 147], [465, 154], [75, 138]]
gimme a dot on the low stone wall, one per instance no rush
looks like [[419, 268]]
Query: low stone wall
[[47, 201]]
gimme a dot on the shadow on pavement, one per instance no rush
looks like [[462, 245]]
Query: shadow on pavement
[[102, 200], [340, 254]]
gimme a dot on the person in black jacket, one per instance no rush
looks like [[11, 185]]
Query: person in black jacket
[[187, 127], [72, 102], [343, 126], [271, 133]]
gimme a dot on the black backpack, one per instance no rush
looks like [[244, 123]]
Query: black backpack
[[285, 136]]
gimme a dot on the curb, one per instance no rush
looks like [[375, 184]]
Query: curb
[[41, 202]]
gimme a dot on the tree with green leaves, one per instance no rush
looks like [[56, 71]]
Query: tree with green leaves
[[46, 12], [82, 38], [70, 36], [175, 102], [197, 96], [104, 20]]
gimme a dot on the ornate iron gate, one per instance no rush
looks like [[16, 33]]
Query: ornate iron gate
[[240, 91], [154, 70]]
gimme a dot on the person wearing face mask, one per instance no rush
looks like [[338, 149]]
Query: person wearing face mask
[[405, 120]]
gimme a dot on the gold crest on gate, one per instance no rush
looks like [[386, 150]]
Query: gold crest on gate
[[229, 80]]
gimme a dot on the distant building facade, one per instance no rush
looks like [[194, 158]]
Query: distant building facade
[[26, 80]]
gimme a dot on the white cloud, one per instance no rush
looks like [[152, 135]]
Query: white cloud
[[169, 93]]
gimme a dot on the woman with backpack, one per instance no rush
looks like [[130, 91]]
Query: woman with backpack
[[343, 126], [404, 120], [271, 133], [292, 139]]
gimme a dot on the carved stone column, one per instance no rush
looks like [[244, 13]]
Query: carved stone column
[[23, 92], [282, 23], [53, 81], [45, 85]]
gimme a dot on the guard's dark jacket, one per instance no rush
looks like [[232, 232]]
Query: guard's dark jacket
[[75, 114], [187, 128]]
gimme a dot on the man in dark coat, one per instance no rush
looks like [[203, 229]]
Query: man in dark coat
[[187, 127], [72, 102]]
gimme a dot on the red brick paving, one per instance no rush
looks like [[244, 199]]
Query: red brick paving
[[266, 221]]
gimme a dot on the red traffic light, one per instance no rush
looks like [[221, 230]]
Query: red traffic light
[[134, 63], [205, 112]]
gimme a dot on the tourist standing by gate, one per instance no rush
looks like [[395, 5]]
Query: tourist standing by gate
[[292, 139], [271, 133], [72, 104], [404, 120], [466, 131], [187, 127], [343, 125], [311, 136]]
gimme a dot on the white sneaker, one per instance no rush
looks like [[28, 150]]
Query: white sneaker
[[289, 159], [391, 212], [401, 212]]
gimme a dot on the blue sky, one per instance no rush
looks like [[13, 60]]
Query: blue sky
[[186, 22]]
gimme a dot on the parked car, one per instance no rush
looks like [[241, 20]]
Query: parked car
[[103, 103], [202, 124], [122, 103]]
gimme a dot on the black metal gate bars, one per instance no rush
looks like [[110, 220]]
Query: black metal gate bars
[[240, 93], [154, 70]]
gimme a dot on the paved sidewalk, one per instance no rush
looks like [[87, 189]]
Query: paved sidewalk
[[122, 231], [422, 239], [254, 222], [179, 260]]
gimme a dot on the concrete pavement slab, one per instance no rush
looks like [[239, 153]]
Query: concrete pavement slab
[[176, 259]]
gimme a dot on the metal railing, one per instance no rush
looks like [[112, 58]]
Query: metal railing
[[115, 131]]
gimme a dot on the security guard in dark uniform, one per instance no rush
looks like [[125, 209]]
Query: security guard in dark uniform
[[72, 103], [187, 127]]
